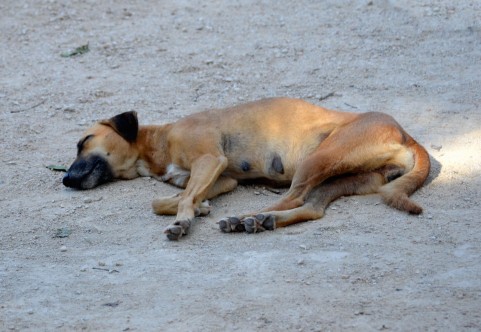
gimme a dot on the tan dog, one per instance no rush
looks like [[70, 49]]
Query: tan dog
[[324, 154]]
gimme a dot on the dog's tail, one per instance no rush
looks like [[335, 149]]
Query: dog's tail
[[396, 192]]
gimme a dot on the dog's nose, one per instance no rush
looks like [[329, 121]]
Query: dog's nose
[[68, 181]]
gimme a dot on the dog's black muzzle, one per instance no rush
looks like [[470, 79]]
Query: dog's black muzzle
[[88, 172]]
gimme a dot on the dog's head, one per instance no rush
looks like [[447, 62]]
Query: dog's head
[[105, 152]]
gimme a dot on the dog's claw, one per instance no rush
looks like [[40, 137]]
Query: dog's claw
[[177, 230]]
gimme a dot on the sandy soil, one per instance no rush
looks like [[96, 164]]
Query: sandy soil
[[364, 266]]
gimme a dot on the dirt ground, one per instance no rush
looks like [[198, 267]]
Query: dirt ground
[[364, 266]]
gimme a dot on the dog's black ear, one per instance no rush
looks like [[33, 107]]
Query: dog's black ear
[[125, 124]]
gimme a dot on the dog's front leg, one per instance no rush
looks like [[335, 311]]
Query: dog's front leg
[[169, 205], [205, 171]]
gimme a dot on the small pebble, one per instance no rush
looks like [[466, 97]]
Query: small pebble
[[63, 248], [101, 263], [84, 268], [300, 262]]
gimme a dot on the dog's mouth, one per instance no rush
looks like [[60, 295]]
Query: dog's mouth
[[88, 173]]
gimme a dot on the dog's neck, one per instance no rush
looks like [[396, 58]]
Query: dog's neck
[[154, 156]]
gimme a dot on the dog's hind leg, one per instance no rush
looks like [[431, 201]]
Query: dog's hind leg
[[367, 144], [315, 205], [169, 205], [205, 171]]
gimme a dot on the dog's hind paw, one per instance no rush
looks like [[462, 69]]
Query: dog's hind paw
[[255, 224], [259, 223], [203, 209], [231, 224], [177, 230]]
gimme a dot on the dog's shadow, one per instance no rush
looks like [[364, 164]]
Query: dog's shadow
[[436, 167]]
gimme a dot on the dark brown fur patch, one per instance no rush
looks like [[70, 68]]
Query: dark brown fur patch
[[226, 143], [245, 166], [277, 165], [125, 124]]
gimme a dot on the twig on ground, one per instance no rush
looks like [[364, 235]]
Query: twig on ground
[[330, 94], [30, 108], [105, 269], [351, 105]]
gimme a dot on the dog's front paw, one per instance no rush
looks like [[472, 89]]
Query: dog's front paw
[[177, 230]]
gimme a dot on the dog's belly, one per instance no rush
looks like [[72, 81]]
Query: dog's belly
[[274, 164], [252, 157]]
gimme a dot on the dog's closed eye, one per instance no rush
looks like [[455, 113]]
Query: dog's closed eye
[[81, 143]]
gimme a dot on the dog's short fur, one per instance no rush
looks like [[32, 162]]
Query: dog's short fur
[[324, 154]]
